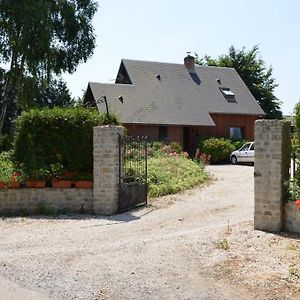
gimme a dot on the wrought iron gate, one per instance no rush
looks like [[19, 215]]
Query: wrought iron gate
[[132, 172]]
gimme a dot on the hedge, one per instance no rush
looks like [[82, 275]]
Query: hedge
[[59, 135], [218, 148]]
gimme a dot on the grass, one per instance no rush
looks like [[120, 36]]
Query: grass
[[170, 175], [223, 244]]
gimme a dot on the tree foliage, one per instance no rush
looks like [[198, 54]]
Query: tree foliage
[[254, 73], [42, 38]]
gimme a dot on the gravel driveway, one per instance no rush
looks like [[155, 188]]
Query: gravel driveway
[[199, 244]]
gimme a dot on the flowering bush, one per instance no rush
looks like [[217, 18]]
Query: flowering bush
[[203, 157], [297, 203]]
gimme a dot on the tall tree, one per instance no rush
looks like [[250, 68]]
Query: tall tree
[[39, 38], [254, 73]]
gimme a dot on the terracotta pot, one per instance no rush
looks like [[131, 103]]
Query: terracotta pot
[[61, 184], [14, 185], [84, 184], [35, 184], [2, 185]]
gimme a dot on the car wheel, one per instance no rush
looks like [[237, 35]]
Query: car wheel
[[234, 160]]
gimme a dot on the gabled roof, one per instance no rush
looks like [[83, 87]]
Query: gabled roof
[[173, 97]]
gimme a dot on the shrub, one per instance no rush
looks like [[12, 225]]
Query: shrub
[[219, 149], [168, 175], [159, 148], [59, 135], [8, 171]]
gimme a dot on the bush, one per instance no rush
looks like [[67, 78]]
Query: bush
[[168, 175], [59, 135], [219, 149], [158, 148], [8, 171]]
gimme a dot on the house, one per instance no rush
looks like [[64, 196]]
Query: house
[[178, 102]]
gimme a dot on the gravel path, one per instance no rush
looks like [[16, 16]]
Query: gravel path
[[196, 245]]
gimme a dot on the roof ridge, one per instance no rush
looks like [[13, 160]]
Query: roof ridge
[[171, 63]]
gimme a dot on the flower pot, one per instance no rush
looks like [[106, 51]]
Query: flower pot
[[61, 184], [14, 185], [84, 184], [35, 184], [3, 185]]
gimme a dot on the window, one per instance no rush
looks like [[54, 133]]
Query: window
[[252, 147], [236, 133], [195, 78], [163, 132], [228, 94], [245, 147]]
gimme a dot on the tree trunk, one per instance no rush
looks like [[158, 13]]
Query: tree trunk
[[14, 77], [4, 104]]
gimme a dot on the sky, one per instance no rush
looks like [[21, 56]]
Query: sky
[[165, 30]]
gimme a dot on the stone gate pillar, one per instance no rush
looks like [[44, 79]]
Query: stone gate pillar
[[271, 171], [106, 169]]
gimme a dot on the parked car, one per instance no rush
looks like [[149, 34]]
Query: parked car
[[244, 154]]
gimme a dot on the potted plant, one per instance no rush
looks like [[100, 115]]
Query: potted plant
[[37, 178], [84, 181], [60, 178], [15, 181]]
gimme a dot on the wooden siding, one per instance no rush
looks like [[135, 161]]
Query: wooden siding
[[222, 129], [175, 133], [224, 122]]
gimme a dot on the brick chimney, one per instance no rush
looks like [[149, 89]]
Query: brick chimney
[[189, 62]]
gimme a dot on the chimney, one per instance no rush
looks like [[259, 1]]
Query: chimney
[[189, 62]]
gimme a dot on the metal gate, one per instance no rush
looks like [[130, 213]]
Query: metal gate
[[132, 172]]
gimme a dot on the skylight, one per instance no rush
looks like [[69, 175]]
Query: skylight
[[228, 94], [195, 78]]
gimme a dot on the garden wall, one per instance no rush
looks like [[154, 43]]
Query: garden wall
[[102, 199], [26, 201]]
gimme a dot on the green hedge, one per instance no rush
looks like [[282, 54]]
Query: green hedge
[[218, 148], [59, 135]]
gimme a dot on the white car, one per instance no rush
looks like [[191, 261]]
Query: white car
[[244, 154]]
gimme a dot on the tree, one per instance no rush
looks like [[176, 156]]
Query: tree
[[42, 38], [45, 94], [254, 73]]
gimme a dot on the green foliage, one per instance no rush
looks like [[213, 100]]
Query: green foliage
[[238, 144], [169, 175], [50, 136], [158, 148], [218, 148], [6, 167], [42, 38], [254, 73], [4, 142], [294, 184]]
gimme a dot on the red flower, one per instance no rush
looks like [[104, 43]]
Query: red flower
[[297, 203]]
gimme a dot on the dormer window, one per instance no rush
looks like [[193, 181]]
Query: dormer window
[[228, 94]]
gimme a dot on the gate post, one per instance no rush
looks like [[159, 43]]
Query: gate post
[[106, 169], [271, 171]]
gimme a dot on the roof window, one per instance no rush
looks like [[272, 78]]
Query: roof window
[[228, 94], [195, 78]]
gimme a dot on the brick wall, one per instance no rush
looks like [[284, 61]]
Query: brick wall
[[45, 201], [106, 169], [272, 162]]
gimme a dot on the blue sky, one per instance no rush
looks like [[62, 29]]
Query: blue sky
[[164, 30]]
